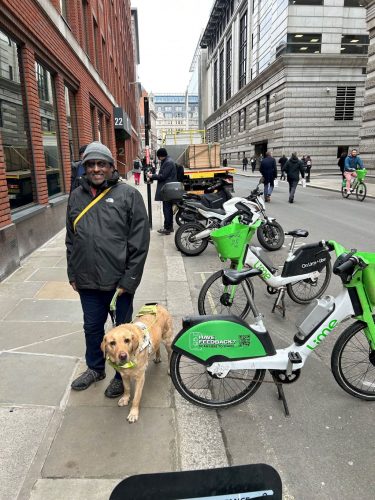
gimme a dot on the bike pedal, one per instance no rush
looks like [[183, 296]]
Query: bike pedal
[[294, 357]]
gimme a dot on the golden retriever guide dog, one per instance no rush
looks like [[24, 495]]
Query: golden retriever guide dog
[[128, 347]]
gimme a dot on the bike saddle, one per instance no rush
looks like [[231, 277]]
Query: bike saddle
[[298, 233], [233, 277], [219, 211]]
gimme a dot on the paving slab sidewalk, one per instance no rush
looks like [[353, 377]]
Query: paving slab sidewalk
[[58, 444]]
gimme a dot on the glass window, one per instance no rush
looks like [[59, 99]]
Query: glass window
[[64, 9], [345, 102], [243, 50], [258, 112], [221, 77], [228, 74], [48, 117], [353, 3], [267, 107], [304, 43], [306, 2], [84, 25], [215, 85], [18, 163], [354, 44], [229, 126], [71, 122]]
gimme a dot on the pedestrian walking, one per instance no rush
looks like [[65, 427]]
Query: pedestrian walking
[[253, 163], [167, 173], [282, 160], [308, 167], [245, 163], [225, 162], [269, 172], [107, 240], [341, 163], [77, 170], [293, 168], [137, 169]]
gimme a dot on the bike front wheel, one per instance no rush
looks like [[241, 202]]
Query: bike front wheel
[[361, 191], [344, 192], [353, 362], [198, 386], [271, 235], [305, 291], [183, 240], [215, 298]]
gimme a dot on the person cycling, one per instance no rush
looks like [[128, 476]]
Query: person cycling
[[353, 162]]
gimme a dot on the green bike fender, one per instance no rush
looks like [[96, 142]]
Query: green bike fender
[[222, 340]]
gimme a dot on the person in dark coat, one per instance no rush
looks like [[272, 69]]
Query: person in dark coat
[[253, 163], [167, 173], [225, 162], [106, 249], [269, 172], [282, 160], [341, 163], [245, 163], [293, 168], [77, 170]]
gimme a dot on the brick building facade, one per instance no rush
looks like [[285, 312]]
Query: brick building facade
[[66, 68]]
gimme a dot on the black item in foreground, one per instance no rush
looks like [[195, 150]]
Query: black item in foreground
[[228, 483]]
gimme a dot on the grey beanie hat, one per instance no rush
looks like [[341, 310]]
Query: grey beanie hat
[[97, 151]]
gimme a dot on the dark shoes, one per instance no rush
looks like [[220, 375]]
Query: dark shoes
[[115, 389], [291, 201], [267, 198], [165, 231], [86, 379]]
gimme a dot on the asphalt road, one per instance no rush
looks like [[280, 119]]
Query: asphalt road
[[325, 449]]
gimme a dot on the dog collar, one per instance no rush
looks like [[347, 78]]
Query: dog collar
[[129, 364]]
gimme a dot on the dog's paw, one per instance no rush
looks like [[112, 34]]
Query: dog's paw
[[133, 416], [124, 401], [157, 360]]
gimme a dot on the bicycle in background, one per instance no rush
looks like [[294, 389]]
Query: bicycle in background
[[357, 186]]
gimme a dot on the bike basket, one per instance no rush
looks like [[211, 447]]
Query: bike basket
[[361, 174], [230, 240]]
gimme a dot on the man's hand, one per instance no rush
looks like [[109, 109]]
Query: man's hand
[[73, 283], [120, 290]]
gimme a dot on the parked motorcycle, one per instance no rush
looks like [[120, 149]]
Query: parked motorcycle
[[192, 238], [214, 197]]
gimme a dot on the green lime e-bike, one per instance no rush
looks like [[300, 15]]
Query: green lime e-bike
[[220, 361]]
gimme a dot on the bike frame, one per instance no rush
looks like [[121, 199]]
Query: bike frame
[[345, 306]]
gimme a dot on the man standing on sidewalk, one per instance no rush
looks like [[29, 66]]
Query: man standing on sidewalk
[[167, 173], [107, 242], [245, 163]]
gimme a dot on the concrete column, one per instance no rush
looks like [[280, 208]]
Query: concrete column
[[367, 132]]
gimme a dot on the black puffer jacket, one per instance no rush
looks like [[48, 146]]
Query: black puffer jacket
[[167, 173], [110, 244], [294, 167]]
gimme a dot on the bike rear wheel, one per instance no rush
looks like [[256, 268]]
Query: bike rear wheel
[[179, 221], [353, 362], [305, 291], [214, 297], [361, 191], [198, 386], [183, 241], [271, 235]]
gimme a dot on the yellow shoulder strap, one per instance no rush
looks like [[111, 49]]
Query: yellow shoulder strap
[[90, 205]]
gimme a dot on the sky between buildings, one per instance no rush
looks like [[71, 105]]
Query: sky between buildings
[[169, 31]]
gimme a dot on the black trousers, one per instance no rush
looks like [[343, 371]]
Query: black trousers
[[292, 188], [168, 214], [95, 306]]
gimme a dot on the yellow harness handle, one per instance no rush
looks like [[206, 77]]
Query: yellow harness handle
[[90, 205]]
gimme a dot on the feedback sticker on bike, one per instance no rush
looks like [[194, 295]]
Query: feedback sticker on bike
[[199, 341]]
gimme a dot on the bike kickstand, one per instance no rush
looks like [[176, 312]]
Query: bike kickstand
[[281, 395], [280, 298]]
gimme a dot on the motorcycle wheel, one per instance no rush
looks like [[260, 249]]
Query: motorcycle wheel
[[182, 239], [271, 236]]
